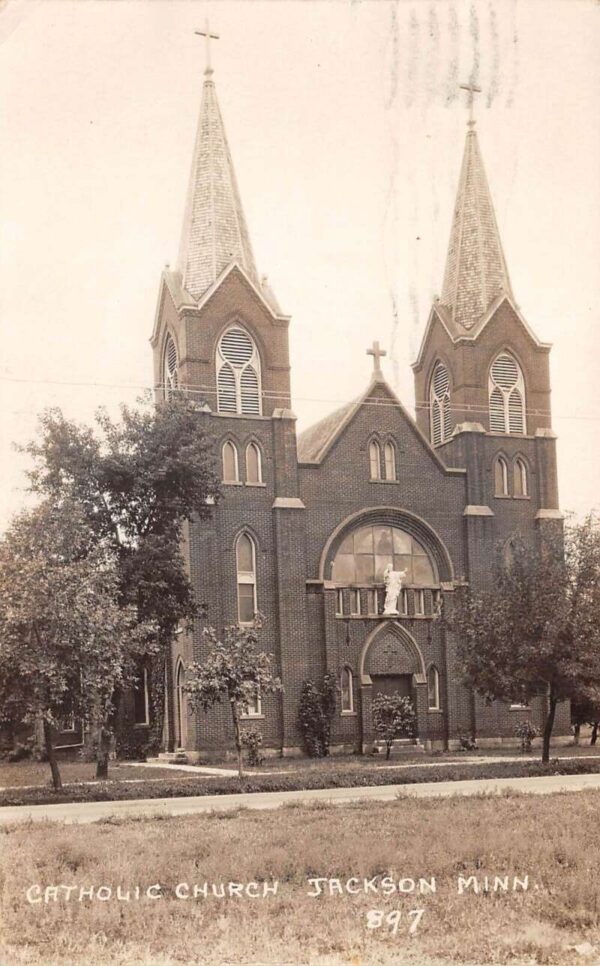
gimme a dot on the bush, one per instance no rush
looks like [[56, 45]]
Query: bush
[[315, 713], [20, 752], [252, 740], [467, 743], [526, 731], [393, 717], [131, 746]]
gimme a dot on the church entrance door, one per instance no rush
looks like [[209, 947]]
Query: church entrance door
[[388, 684]]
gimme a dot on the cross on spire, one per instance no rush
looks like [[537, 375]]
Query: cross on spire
[[472, 89], [377, 354], [208, 36]]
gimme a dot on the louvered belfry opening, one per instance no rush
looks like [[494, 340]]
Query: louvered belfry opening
[[439, 404], [238, 373], [507, 396], [170, 368]]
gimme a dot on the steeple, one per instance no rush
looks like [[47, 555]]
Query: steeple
[[476, 272], [214, 228]]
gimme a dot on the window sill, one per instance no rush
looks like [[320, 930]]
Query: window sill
[[384, 481], [141, 724], [259, 485], [251, 717], [435, 710], [232, 483], [523, 496], [348, 714], [520, 707], [502, 496]]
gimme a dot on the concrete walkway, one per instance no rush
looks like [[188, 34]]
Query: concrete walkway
[[85, 812]]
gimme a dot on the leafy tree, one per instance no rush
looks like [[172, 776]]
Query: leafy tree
[[585, 709], [393, 717], [315, 713], [137, 481], [65, 643], [233, 671], [537, 630]]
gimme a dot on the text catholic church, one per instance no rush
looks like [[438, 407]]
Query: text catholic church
[[308, 524]]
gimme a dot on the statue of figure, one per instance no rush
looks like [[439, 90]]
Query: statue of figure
[[393, 585]]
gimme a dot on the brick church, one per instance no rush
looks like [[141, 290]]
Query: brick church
[[309, 522]]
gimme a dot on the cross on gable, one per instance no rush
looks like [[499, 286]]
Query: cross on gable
[[472, 90], [377, 354], [207, 34]]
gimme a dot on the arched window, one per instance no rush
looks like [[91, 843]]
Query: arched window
[[231, 472], [500, 476], [238, 373], [389, 459], [520, 482], [365, 553], [170, 368], [508, 554], [433, 688], [181, 706], [375, 460], [507, 395], [253, 464], [439, 405], [245, 556], [347, 696]]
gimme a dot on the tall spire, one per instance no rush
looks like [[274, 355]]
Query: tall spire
[[476, 272], [214, 230]]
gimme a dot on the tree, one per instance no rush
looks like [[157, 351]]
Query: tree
[[585, 709], [65, 643], [137, 481], [234, 671], [393, 717], [537, 631]]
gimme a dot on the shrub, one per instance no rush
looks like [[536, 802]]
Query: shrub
[[20, 752], [132, 746], [252, 740], [526, 731], [393, 717], [467, 743], [315, 713]]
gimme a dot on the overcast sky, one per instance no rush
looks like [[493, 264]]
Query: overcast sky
[[347, 129]]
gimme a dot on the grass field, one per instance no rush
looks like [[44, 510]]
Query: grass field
[[24, 773], [554, 841]]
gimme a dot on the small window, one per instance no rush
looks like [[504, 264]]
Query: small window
[[433, 688], [253, 464], [355, 601], [141, 698], [436, 600], [231, 473], [403, 602], [170, 368], [246, 579], [389, 454], [339, 601], [520, 484], [375, 460], [500, 476], [372, 602], [347, 696], [419, 599], [253, 707]]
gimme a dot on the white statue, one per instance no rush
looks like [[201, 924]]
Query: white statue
[[393, 585]]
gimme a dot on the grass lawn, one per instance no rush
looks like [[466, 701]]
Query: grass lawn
[[554, 841], [19, 773]]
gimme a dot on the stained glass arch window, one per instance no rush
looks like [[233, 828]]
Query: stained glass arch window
[[364, 554]]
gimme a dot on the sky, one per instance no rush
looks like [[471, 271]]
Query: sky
[[346, 126]]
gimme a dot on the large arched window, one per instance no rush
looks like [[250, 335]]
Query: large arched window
[[245, 557], [389, 460], [520, 482], [433, 688], [253, 464], [231, 473], [500, 476], [366, 552], [439, 405], [507, 395], [374, 460], [170, 368], [346, 691], [238, 373]]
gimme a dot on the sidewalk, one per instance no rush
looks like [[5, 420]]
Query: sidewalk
[[85, 812]]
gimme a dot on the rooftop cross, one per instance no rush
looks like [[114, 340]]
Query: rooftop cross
[[472, 90], [207, 34], [377, 353]]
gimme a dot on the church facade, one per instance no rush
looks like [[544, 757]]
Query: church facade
[[309, 523]]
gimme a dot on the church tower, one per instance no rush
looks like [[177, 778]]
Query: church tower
[[482, 380], [221, 338]]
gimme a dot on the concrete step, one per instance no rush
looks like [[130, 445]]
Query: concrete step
[[170, 757], [401, 746]]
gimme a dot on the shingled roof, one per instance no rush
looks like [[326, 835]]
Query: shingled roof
[[214, 228], [314, 441], [476, 273]]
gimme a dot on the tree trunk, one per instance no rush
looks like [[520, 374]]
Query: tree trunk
[[238, 738], [104, 739], [576, 733], [549, 725], [56, 779], [388, 748], [594, 732]]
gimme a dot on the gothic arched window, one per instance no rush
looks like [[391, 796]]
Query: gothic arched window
[[375, 460], [520, 483], [500, 476], [231, 472], [238, 373], [365, 553], [433, 688], [507, 395], [170, 368], [439, 405], [253, 464], [347, 696], [389, 461], [245, 558]]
